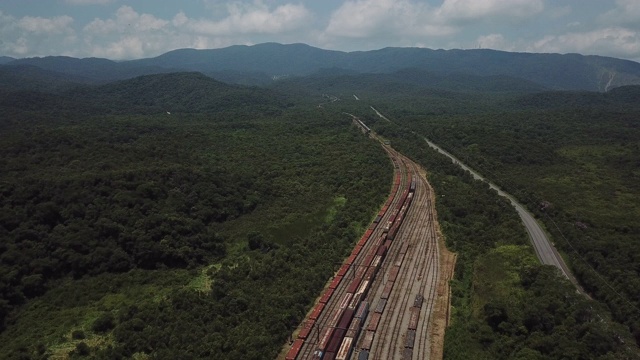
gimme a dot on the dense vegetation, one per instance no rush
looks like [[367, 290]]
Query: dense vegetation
[[505, 304], [205, 234]]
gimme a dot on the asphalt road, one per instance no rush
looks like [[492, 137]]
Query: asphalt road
[[545, 250]]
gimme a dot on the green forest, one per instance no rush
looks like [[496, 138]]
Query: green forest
[[206, 233], [174, 216]]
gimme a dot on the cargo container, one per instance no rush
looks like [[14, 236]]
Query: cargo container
[[380, 306], [414, 317], [295, 349], [345, 349], [367, 340], [317, 310], [373, 323], [410, 339], [326, 296]]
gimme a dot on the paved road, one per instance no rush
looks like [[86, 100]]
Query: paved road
[[545, 250]]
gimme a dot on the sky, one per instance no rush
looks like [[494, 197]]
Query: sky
[[133, 29]]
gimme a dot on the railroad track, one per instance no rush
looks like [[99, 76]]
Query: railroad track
[[327, 317], [390, 340]]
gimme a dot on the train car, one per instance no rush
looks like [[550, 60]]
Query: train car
[[336, 341], [329, 356], [343, 270], [295, 349], [364, 287], [391, 235], [367, 260], [350, 259], [363, 310], [410, 339], [377, 219], [377, 260], [326, 296], [407, 354], [371, 273], [356, 250], [373, 323], [381, 305], [344, 352], [354, 285], [317, 310], [382, 251], [336, 281], [344, 302], [412, 187], [354, 328], [404, 248], [327, 333], [306, 329], [386, 292], [400, 258], [414, 317], [367, 340], [393, 274], [355, 300], [388, 244], [418, 301], [363, 355]]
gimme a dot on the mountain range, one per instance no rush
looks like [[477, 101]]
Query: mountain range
[[264, 63]]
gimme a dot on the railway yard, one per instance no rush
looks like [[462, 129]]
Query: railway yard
[[390, 297]]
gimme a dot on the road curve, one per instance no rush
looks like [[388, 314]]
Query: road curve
[[546, 252]]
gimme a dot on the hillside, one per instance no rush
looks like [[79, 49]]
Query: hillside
[[554, 71]]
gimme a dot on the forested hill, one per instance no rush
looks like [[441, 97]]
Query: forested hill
[[555, 71], [149, 94]]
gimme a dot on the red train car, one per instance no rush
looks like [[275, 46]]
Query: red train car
[[414, 317], [373, 323], [326, 296], [306, 329], [367, 340], [336, 281], [295, 349], [317, 311], [343, 270], [393, 274], [386, 292]]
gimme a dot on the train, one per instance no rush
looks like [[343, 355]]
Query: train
[[339, 334]]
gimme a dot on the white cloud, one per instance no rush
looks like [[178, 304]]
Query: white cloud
[[626, 12], [89, 2], [40, 25], [254, 18], [366, 18], [472, 10], [494, 41], [611, 41]]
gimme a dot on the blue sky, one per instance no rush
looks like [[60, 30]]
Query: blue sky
[[130, 29]]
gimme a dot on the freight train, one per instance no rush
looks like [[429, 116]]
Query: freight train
[[338, 337]]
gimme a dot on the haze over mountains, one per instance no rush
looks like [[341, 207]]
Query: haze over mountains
[[261, 64]]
